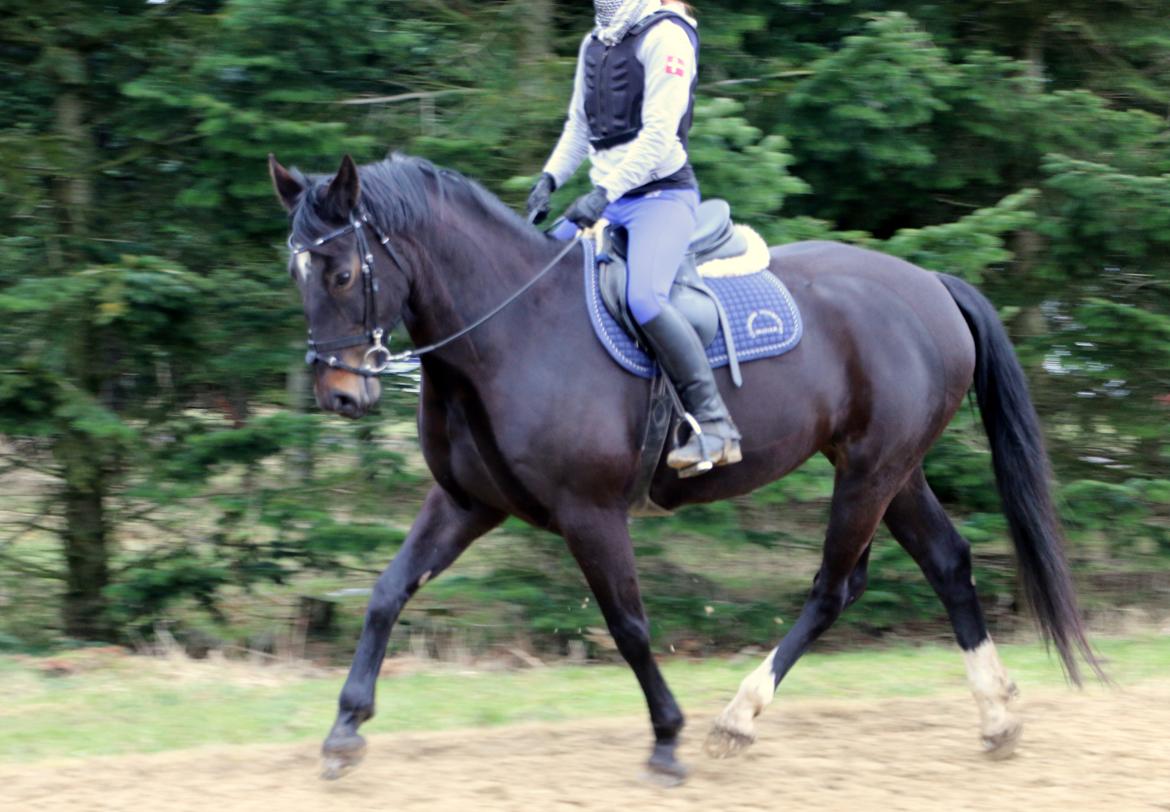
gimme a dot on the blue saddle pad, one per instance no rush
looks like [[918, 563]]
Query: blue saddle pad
[[765, 321]]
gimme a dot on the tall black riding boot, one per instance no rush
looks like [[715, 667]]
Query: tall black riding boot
[[681, 356]]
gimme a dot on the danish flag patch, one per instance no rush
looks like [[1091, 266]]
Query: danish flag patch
[[675, 66]]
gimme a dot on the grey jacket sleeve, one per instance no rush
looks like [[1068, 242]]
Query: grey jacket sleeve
[[573, 146]]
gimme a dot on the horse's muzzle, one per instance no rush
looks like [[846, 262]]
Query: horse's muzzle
[[346, 394], [345, 405]]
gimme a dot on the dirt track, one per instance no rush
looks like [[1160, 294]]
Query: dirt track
[[1100, 750]]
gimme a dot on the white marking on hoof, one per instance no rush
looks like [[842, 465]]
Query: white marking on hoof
[[1000, 728], [1003, 744], [735, 729], [722, 743]]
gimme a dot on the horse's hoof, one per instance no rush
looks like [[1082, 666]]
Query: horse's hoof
[[665, 780], [724, 743], [339, 756], [663, 769], [1002, 745], [665, 772]]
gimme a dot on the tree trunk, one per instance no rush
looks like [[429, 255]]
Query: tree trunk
[[299, 386], [81, 457], [538, 30], [74, 188], [85, 537], [1034, 57]]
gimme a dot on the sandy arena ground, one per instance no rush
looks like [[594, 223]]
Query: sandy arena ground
[[1103, 749]]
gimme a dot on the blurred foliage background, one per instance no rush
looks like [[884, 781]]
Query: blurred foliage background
[[161, 464]]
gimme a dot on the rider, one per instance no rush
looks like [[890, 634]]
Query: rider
[[631, 111]]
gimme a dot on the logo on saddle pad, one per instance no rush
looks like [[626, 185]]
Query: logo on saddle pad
[[765, 323]]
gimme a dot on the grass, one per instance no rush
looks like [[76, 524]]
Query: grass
[[123, 704]]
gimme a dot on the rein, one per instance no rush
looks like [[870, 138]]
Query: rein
[[378, 359]]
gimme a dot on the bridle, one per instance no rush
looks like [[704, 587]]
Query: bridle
[[378, 359]]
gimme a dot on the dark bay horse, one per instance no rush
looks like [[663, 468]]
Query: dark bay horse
[[527, 416]]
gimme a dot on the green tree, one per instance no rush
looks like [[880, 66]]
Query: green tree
[[151, 374]]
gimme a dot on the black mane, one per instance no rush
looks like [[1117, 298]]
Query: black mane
[[400, 193]]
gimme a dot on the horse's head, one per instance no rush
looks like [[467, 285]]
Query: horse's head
[[351, 292]]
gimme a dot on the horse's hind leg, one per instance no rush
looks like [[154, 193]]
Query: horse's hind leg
[[600, 541], [859, 500], [442, 530], [920, 524]]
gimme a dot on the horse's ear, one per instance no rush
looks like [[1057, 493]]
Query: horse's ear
[[288, 188], [342, 197]]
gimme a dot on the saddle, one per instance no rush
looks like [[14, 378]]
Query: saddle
[[740, 309], [715, 238]]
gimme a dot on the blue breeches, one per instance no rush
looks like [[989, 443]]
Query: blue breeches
[[660, 226]]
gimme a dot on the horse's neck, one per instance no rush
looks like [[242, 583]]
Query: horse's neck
[[469, 270]]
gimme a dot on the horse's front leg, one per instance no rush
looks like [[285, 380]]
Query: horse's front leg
[[600, 541], [441, 532]]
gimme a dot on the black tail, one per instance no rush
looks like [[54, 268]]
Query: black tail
[[1022, 475]]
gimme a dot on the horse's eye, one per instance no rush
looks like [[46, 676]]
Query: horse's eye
[[342, 279]]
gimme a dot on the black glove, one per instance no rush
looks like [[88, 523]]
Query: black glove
[[587, 209], [540, 198]]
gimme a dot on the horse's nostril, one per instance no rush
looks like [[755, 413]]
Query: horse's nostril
[[345, 404]]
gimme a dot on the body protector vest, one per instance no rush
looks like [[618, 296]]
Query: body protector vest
[[614, 90]]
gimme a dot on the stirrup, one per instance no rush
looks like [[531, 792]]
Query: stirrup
[[698, 469], [705, 464], [729, 452]]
